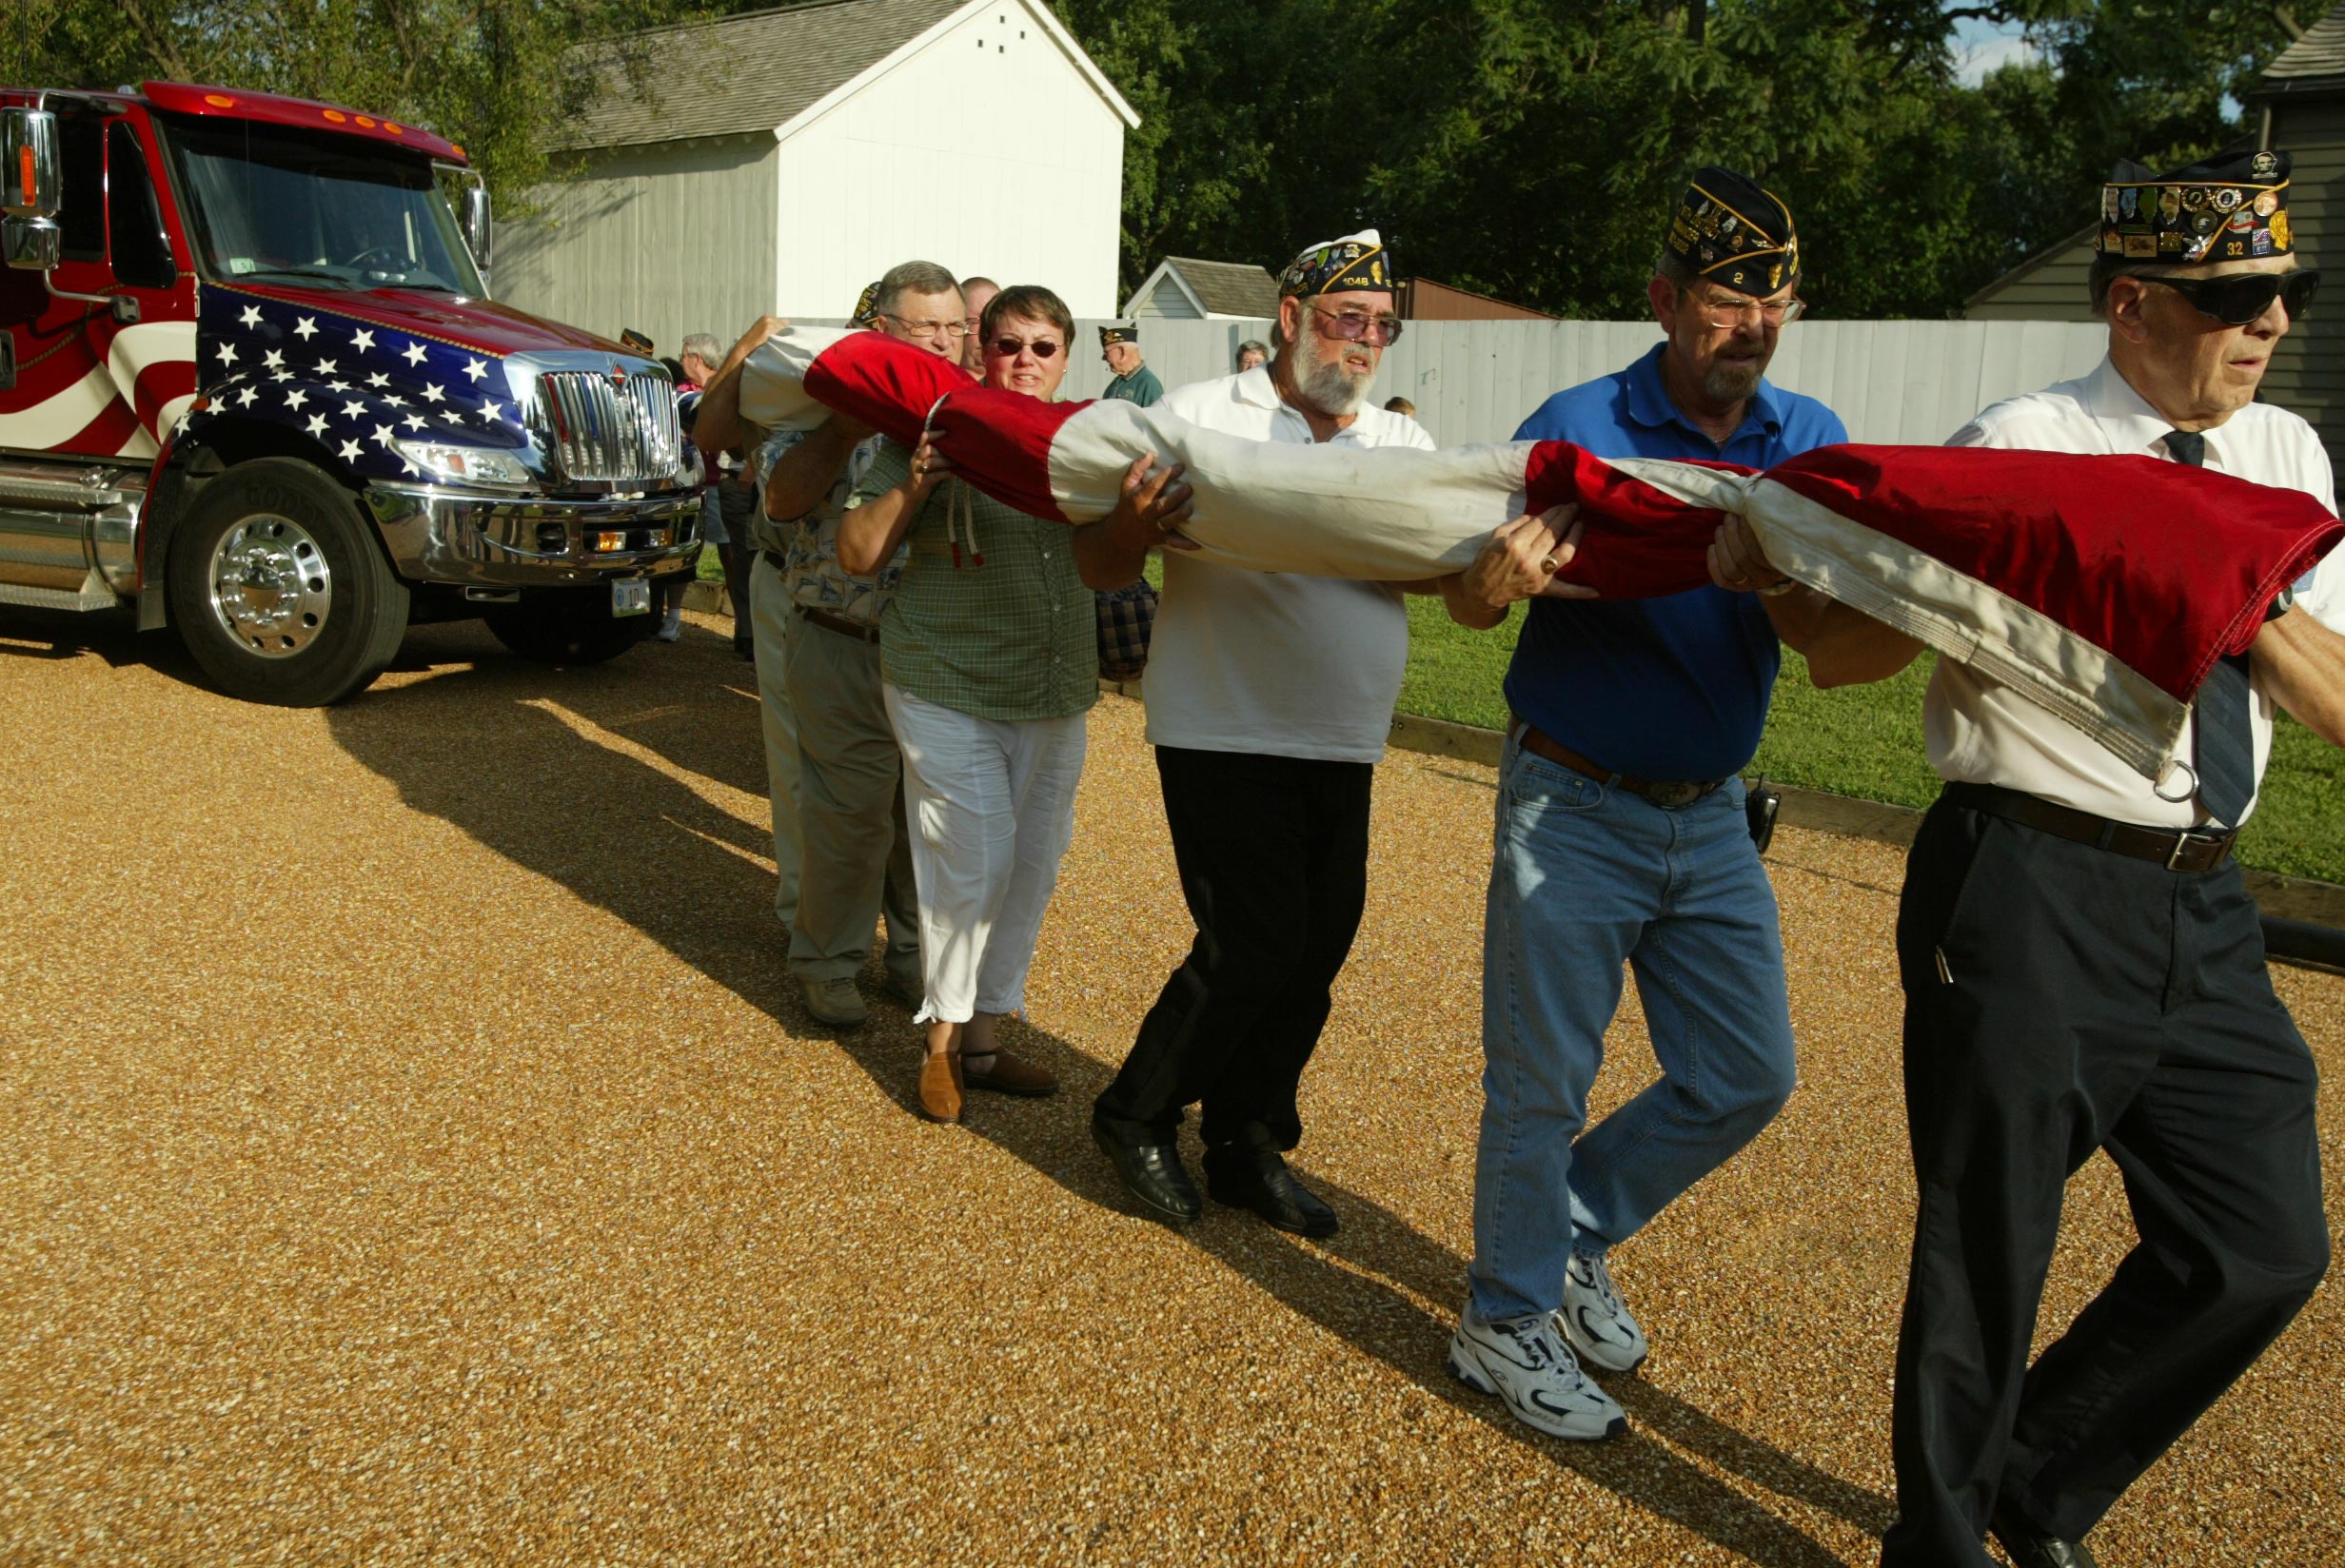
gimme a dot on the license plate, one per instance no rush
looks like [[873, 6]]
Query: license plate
[[631, 597]]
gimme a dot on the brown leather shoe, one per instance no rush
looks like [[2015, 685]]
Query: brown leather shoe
[[940, 1091], [1005, 1074]]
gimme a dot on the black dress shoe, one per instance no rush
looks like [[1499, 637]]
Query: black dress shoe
[[1250, 1176], [2029, 1547], [1152, 1173]]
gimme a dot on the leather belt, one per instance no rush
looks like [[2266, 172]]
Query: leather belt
[[1666, 794], [840, 624], [778, 561], [2177, 850]]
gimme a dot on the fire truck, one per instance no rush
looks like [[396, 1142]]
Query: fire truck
[[251, 386]]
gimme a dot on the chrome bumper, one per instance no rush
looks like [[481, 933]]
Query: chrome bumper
[[436, 534]]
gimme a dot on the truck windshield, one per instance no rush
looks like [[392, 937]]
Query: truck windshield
[[278, 204]]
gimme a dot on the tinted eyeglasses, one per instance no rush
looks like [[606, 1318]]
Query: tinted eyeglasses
[[1008, 348], [1352, 325], [2240, 299]]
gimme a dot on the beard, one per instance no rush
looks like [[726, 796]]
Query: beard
[[1732, 381], [1330, 388]]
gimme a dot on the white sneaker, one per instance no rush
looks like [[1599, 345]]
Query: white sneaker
[[1594, 1318], [1522, 1361], [671, 625]]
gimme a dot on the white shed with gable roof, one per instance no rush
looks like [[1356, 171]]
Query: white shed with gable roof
[[784, 159]]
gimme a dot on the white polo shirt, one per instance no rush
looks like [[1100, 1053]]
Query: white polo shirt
[[1981, 731], [1271, 662]]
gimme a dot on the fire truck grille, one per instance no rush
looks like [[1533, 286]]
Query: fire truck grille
[[605, 429]]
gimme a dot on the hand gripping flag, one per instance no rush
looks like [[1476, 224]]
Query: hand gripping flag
[[2103, 588]]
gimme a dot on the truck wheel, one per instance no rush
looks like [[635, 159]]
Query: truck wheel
[[568, 626], [278, 590]]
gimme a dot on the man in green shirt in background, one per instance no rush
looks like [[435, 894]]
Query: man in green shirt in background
[[1135, 382]]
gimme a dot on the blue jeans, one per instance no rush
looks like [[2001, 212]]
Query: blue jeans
[[1585, 878]]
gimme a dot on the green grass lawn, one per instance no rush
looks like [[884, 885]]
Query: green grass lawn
[[1866, 740]]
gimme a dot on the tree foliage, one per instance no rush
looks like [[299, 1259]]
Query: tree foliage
[[1532, 148]]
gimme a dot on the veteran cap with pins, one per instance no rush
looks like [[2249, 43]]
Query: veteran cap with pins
[[1111, 335], [1732, 232], [1355, 264], [2227, 209], [866, 306]]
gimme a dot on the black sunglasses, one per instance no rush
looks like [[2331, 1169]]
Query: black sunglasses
[[2239, 300], [1008, 347]]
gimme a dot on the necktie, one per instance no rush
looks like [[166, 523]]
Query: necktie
[[2225, 750]]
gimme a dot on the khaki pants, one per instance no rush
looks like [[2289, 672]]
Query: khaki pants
[[774, 624], [857, 862]]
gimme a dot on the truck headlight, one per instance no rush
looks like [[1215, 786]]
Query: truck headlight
[[465, 464]]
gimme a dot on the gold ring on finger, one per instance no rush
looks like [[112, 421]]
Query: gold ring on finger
[[1549, 564]]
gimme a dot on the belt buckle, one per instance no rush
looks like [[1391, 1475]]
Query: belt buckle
[[2183, 840], [1669, 796]]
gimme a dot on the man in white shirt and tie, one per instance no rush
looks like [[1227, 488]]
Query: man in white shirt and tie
[[2084, 970]]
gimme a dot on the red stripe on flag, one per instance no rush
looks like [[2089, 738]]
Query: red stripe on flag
[[106, 432], [999, 442], [2166, 566]]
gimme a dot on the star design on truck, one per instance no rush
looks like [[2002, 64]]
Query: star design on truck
[[430, 391]]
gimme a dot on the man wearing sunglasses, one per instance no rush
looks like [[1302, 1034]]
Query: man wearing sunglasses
[[2083, 969], [1623, 839], [1135, 382], [1269, 698]]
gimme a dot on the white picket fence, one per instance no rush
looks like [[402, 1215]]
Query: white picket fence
[[1909, 382]]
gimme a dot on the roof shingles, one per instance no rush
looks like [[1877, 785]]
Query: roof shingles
[[2320, 53], [1228, 289], [754, 72]]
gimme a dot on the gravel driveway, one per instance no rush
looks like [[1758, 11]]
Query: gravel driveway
[[415, 1151]]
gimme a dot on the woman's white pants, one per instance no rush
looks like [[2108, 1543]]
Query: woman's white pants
[[990, 806]]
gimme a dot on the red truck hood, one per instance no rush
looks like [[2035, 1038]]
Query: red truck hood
[[447, 318]]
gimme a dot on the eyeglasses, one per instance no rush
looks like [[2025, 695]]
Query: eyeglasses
[[926, 331], [1354, 326], [1008, 348], [2239, 300], [1734, 312]]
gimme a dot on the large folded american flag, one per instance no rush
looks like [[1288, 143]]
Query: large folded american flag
[[2104, 588]]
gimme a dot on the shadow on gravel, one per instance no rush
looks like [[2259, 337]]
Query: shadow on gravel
[[645, 848], [112, 634]]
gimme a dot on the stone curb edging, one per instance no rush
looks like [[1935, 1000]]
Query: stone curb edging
[[707, 597], [2297, 899]]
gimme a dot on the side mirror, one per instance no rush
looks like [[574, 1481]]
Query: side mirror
[[474, 220], [32, 243], [28, 156]]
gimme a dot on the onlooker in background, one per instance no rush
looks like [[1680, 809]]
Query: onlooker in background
[[989, 655], [1254, 351], [699, 357], [1270, 697], [1622, 839], [1400, 405], [858, 859], [976, 293], [1135, 382], [672, 591]]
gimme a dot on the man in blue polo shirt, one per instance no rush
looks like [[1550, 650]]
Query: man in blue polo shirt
[[1622, 838]]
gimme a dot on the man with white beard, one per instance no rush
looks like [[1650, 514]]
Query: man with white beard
[[1269, 700]]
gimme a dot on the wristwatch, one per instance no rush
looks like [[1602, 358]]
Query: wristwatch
[[1775, 590], [2282, 603]]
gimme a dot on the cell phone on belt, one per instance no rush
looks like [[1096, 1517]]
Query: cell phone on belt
[[1760, 803]]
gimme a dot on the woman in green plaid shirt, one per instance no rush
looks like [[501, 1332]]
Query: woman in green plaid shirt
[[990, 657]]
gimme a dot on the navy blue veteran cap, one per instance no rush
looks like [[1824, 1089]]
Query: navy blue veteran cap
[[1731, 231], [1111, 335], [1355, 264], [2226, 210], [866, 306]]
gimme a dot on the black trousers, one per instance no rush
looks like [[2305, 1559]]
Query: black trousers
[[1273, 860], [2060, 999]]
